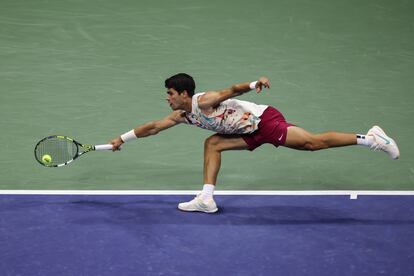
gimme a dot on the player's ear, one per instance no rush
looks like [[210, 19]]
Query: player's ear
[[185, 93]]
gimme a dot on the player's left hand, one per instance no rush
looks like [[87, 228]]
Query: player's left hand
[[262, 82]]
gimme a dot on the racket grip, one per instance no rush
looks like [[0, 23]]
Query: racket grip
[[103, 147]]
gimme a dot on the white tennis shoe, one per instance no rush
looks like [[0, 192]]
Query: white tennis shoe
[[383, 142], [199, 205]]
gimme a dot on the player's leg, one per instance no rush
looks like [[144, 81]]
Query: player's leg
[[298, 138], [213, 147]]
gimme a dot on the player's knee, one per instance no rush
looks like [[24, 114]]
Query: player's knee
[[310, 146], [315, 143], [212, 142]]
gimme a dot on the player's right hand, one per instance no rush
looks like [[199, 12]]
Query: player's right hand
[[116, 144]]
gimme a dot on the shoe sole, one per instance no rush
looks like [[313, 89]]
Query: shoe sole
[[197, 210]]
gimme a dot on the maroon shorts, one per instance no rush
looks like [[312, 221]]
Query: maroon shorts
[[272, 130]]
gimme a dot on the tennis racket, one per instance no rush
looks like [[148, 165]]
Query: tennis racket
[[58, 150]]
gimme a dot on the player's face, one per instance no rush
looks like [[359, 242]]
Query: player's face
[[174, 99]]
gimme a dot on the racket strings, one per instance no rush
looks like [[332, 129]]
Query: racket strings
[[61, 150]]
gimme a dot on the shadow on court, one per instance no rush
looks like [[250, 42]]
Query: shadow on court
[[165, 212]]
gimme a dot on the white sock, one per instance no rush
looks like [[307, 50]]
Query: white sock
[[207, 192], [365, 140]]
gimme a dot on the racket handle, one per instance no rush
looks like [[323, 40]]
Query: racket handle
[[103, 147]]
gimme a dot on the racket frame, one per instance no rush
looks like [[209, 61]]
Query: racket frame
[[86, 148]]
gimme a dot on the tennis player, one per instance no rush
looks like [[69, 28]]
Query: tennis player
[[241, 125]]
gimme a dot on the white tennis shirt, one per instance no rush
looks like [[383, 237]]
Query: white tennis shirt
[[230, 117]]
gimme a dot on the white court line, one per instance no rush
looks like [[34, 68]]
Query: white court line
[[353, 194]]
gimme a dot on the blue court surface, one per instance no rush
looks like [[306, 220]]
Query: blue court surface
[[250, 235]]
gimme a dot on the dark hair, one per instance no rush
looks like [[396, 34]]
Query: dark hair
[[181, 82]]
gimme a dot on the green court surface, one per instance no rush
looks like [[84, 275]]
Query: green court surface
[[94, 69]]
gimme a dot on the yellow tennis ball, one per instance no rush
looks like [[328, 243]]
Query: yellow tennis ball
[[46, 158]]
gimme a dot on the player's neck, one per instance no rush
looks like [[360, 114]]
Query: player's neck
[[188, 105]]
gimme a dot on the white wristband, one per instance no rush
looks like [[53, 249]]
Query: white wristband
[[128, 136], [252, 85]]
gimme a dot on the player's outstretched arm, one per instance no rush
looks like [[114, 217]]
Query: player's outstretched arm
[[214, 98], [150, 128]]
